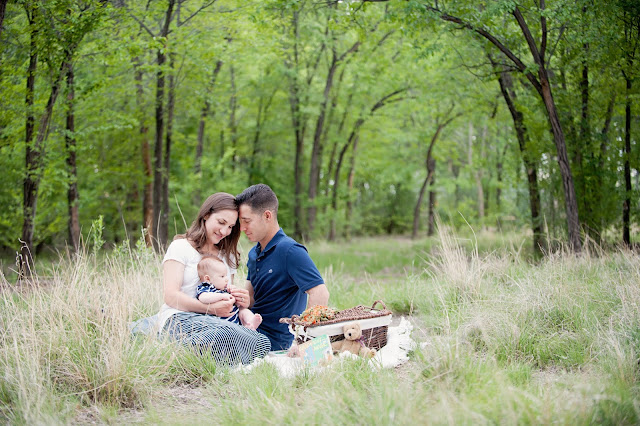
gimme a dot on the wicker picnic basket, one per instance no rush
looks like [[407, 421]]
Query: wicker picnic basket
[[374, 322]]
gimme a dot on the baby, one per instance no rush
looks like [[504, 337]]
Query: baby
[[215, 287]]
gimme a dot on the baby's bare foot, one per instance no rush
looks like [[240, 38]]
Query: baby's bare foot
[[254, 323]]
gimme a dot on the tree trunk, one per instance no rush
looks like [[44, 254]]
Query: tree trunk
[[571, 203], [204, 113], [70, 140], [430, 165], [336, 175], [350, 180], [626, 205], [478, 174], [145, 151], [233, 125], [29, 191], [543, 87], [263, 107], [34, 168], [334, 148], [298, 129], [316, 151], [416, 209], [509, 95], [166, 169], [589, 192], [432, 199], [499, 172], [160, 229], [3, 6]]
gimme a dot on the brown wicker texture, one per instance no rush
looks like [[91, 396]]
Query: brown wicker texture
[[374, 338]]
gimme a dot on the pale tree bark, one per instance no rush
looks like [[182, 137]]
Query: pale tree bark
[[204, 114], [350, 195], [430, 165], [233, 123], [431, 168], [263, 109], [334, 147], [478, 172], [499, 172]]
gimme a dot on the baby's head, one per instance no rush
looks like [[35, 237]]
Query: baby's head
[[212, 270]]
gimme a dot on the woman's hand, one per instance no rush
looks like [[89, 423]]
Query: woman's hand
[[241, 295], [222, 308]]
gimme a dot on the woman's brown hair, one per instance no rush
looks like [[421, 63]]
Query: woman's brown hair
[[228, 246]]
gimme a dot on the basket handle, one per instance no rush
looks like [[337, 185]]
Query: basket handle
[[381, 302]]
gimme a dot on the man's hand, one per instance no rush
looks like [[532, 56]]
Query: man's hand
[[241, 296]]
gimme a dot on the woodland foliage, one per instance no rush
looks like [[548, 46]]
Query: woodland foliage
[[365, 117]]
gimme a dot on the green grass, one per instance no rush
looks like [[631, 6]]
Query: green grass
[[502, 339]]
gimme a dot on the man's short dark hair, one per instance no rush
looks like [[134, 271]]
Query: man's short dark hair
[[259, 197]]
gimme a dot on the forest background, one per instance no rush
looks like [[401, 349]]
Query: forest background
[[366, 118]]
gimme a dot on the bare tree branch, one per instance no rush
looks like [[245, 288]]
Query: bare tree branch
[[204, 6]]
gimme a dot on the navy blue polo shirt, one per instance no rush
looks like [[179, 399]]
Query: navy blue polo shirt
[[280, 275]]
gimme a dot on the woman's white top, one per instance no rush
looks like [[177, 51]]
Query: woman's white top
[[182, 251]]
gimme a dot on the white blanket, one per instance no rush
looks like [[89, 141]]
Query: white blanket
[[399, 343]]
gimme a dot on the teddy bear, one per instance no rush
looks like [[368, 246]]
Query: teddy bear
[[352, 342]]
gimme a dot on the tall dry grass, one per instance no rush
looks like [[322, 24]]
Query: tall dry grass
[[66, 340], [501, 340]]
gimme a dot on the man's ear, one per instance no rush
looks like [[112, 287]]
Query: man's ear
[[268, 214]]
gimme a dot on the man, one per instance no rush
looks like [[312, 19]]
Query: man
[[281, 275]]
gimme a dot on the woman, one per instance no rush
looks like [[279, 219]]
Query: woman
[[183, 317]]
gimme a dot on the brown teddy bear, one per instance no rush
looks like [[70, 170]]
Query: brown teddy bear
[[352, 342]]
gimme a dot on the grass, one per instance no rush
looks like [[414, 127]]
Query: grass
[[503, 339]]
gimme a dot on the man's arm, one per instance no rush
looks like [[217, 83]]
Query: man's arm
[[318, 295]]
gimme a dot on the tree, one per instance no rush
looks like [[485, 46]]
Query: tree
[[430, 165], [64, 28], [508, 93], [3, 7], [631, 23], [538, 76], [162, 144], [387, 99]]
